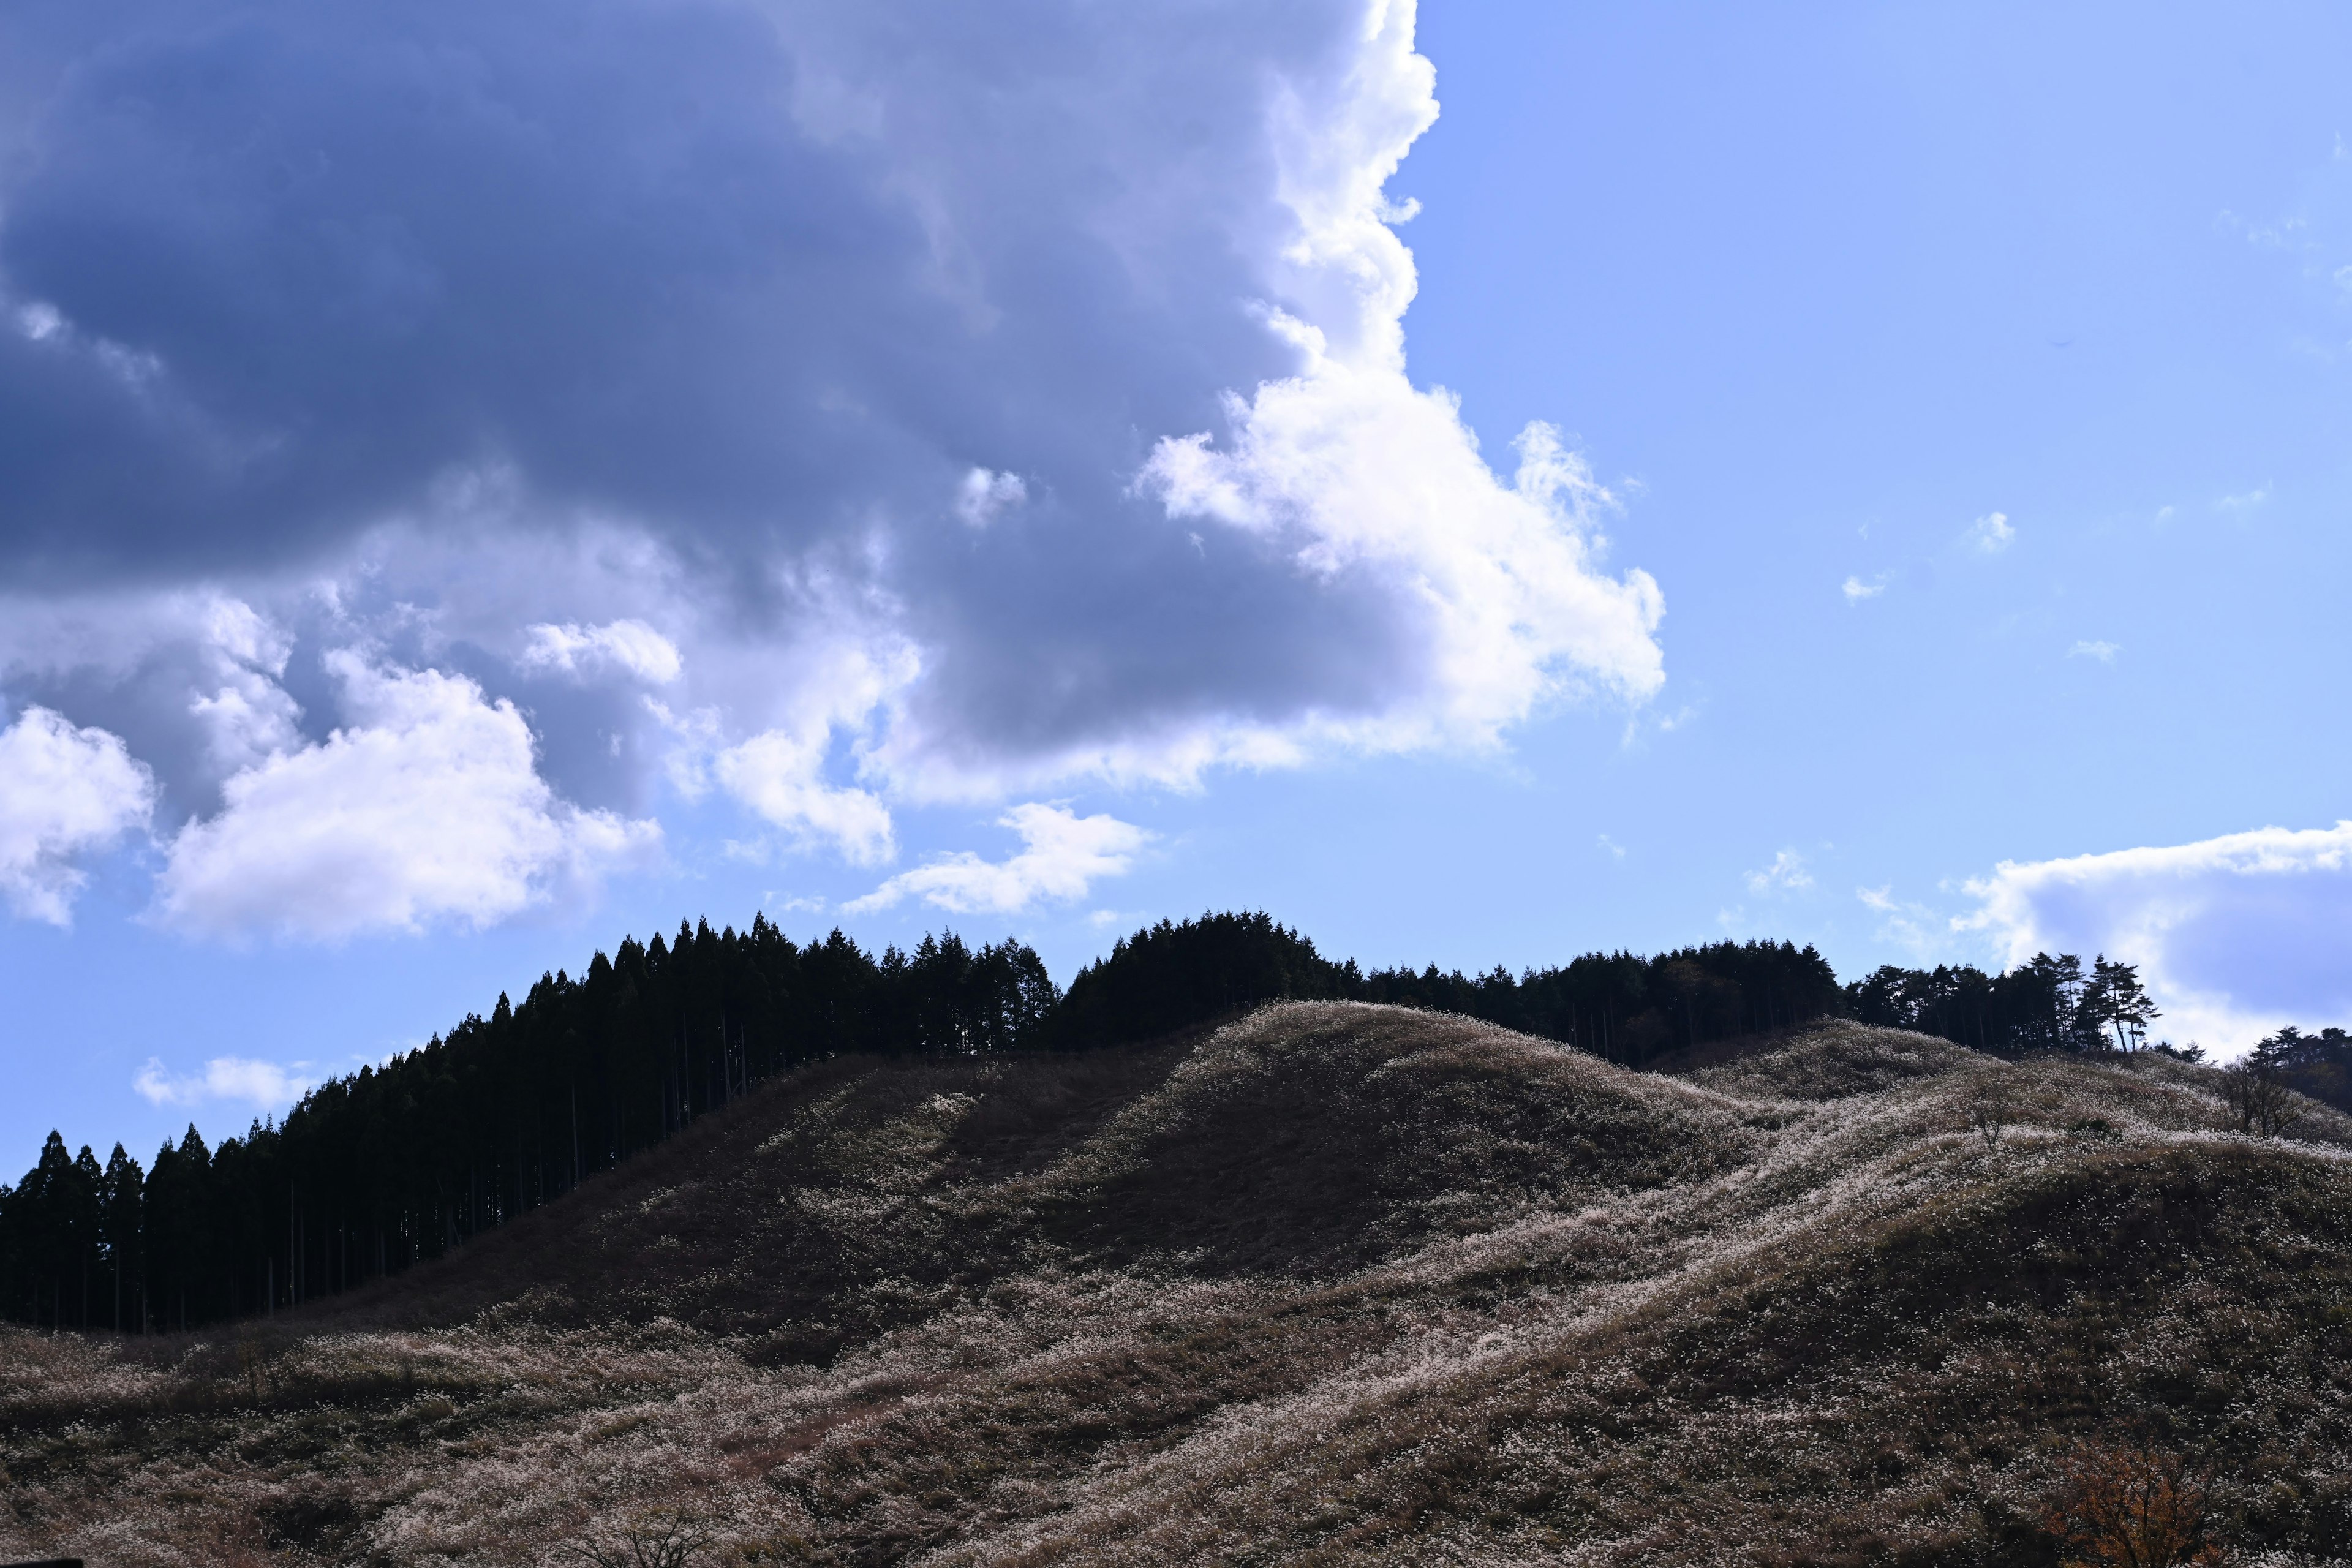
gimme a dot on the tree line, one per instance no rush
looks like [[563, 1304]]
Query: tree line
[[374, 1171], [2044, 1004]]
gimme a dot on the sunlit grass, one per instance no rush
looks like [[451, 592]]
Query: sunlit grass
[[1337, 1284]]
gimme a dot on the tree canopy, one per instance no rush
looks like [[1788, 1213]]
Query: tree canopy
[[371, 1173]]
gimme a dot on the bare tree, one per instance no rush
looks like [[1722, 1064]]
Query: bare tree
[[2258, 1095], [2132, 1508], [662, 1539], [1988, 1113]]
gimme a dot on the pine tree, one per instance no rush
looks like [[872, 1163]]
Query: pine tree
[[122, 1202]]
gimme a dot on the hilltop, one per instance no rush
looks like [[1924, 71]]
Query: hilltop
[[1336, 1282]]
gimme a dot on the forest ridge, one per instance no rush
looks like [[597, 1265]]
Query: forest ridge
[[372, 1173]]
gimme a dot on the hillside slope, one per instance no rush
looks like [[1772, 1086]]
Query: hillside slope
[[1334, 1284]]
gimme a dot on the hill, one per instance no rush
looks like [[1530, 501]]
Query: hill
[[1336, 1283]]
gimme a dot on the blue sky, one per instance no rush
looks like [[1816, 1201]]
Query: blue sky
[[481, 484]]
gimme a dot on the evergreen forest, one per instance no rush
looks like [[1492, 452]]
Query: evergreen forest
[[373, 1173]]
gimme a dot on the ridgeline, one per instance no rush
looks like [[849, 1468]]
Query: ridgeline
[[1331, 1283], [373, 1172]]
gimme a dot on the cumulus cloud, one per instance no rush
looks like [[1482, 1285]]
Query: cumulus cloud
[[430, 809], [65, 793], [779, 774], [265, 1086], [965, 418], [1062, 855], [2233, 935]]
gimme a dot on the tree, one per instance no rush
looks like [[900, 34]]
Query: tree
[[2130, 1507], [2257, 1091], [122, 1199], [1989, 1116], [2114, 1006]]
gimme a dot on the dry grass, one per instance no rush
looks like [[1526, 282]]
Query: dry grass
[[1337, 1284]]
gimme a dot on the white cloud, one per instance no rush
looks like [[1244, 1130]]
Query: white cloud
[[2233, 935], [266, 1086], [2245, 501], [1787, 873], [780, 772], [1856, 590], [2105, 652], [1991, 532], [984, 494], [64, 792], [1357, 473], [429, 808], [1353, 470], [1062, 855], [627, 645], [780, 775], [1608, 845]]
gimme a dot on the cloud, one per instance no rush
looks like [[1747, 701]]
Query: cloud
[[1856, 590], [778, 775], [2233, 935], [927, 345], [1991, 534], [1917, 929], [629, 646], [429, 809], [64, 792], [1349, 469], [2245, 501], [266, 1086], [1786, 873], [1062, 855], [982, 495], [2105, 652]]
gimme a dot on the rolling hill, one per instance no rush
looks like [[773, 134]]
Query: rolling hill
[[1333, 1284]]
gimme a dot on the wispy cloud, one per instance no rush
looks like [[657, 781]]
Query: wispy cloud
[[1856, 590], [625, 645], [2105, 652], [2245, 501], [1991, 534], [1917, 929], [1787, 873]]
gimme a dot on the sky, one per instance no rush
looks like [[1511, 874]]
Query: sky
[[1482, 483]]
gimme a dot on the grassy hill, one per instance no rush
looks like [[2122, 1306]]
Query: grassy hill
[[1334, 1284]]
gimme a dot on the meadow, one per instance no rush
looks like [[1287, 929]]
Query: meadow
[[1334, 1283]]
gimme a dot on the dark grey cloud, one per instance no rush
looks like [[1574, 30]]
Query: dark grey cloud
[[723, 270], [416, 330]]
